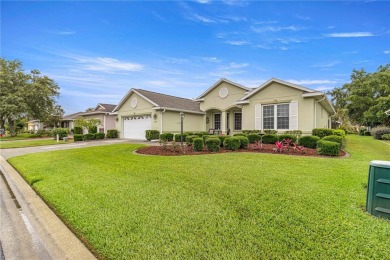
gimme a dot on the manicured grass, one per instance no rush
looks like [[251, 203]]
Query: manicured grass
[[21, 136], [30, 143], [238, 205]]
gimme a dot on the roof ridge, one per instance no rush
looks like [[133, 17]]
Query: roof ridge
[[165, 94]]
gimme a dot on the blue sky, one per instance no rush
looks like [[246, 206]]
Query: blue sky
[[97, 51]]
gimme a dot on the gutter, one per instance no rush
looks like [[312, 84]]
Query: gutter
[[161, 121], [179, 110]]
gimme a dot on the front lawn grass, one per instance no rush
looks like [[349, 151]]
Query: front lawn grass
[[231, 206], [30, 143], [20, 136]]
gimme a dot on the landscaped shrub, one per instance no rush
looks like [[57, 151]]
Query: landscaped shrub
[[240, 134], [178, 137], [270, 132], [99, 135], [166, 137], [251, 131], [232, 143], [243, 142], [92, 129], [198, 144], [286, 137], [190, 139], [77, 137], [78, 130], [88, 136], [42, 133], [269, 139], [339, 132], [328, 148], [378, 131], [386, 137], [62, 132], [296, 133], [362, 130], [152, 134], [188, 133], [308, 141], [112, 133], [321, 132], [367, 133], [334, 138], [213, 144], [222, 138], [200, 134], [253, 138]]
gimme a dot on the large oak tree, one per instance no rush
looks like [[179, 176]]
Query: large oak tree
[[22, 95]]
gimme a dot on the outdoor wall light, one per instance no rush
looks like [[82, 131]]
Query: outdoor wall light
[[155, 116], [207, 120]]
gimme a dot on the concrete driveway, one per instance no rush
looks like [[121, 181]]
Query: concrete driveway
[[28, 227]]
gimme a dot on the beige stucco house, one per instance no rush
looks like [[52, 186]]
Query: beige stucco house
[[34, 126], [101, 112], [227, 107]]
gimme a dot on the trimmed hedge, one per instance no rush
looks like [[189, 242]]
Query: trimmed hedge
[[386, 137], [222, 138], [78, 137], [166, 137], [339, 132], [308, 141], [205, 137], [112, 133], [286, 136], [190, 139], [200, 134], [213, 144], [100, 135], [178, 137], [379, 131], [78, 130], [253, 138], [88, 136], [152, 134], [240, 134], [62, 132], [198, 144], [269, 139], [296, 133], [328, 148], [244, 142], [251, 131], [270, 132], [92, 129], [321, 132], [334, 138], [232, 143]]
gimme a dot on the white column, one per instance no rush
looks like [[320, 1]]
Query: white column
[[223, 122]]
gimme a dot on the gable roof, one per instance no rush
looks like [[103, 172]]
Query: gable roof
[[216, 84], [272, 80], [71, 116], [104, 107], [162, 101]]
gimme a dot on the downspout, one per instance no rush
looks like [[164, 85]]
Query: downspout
[[104, 123], [315, 110], [161, 121]]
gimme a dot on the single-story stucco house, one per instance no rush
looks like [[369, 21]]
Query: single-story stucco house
[[227, 107], [34, 126], [101, 112]]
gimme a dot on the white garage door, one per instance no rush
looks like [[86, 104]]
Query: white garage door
[[134, 127]]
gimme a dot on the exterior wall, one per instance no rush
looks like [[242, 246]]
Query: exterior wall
[[277, 93], [110, 123], [213, 101], [143, 108], [322, 117], [191, 123]]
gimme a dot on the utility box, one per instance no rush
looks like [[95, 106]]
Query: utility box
[[378, 189]]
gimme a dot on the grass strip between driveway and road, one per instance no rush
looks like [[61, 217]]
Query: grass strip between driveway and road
[[237, 205], [30, 143]]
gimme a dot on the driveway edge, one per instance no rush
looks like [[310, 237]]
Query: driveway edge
[[57, 238]]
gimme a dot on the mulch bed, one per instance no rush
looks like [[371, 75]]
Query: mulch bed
[[170, 150]]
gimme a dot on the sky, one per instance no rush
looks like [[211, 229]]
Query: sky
[[96, 51]]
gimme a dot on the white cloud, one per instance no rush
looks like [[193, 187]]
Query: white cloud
[[203, 1], [349, 35], [238, 43], [311, 82], [202, 19], [176, 60], [211, 59], [236, 2], [234, 65], [326, 65], [107, 64], [64, 32], [275, 28], [302, 17], [264, 22], [386, 52], [323, 88]]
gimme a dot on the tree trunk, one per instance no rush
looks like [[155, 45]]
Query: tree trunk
[[11, 125]]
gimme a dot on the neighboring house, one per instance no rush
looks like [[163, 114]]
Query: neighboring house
[[227, 107], [103, 112], [34, 125]]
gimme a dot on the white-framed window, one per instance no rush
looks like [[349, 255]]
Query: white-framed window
[[237, 120], [217, 121], [278, 120]]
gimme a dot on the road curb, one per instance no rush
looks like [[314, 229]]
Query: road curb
[[56, 237]]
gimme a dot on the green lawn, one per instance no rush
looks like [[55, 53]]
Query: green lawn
[[30, 143], [238, 205], [21, 136]]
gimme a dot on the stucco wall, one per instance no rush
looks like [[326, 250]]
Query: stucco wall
[[191, 123], [322, 117], [277, 93], [213, 101]]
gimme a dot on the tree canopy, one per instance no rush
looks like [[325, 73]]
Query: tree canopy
[[25, 95], [366, 98]]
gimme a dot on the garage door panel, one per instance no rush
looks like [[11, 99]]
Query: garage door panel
[[134, 127]]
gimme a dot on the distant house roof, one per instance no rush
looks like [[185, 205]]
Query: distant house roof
[[99, 109], [162, 101], [71, 117], [104, 107]]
